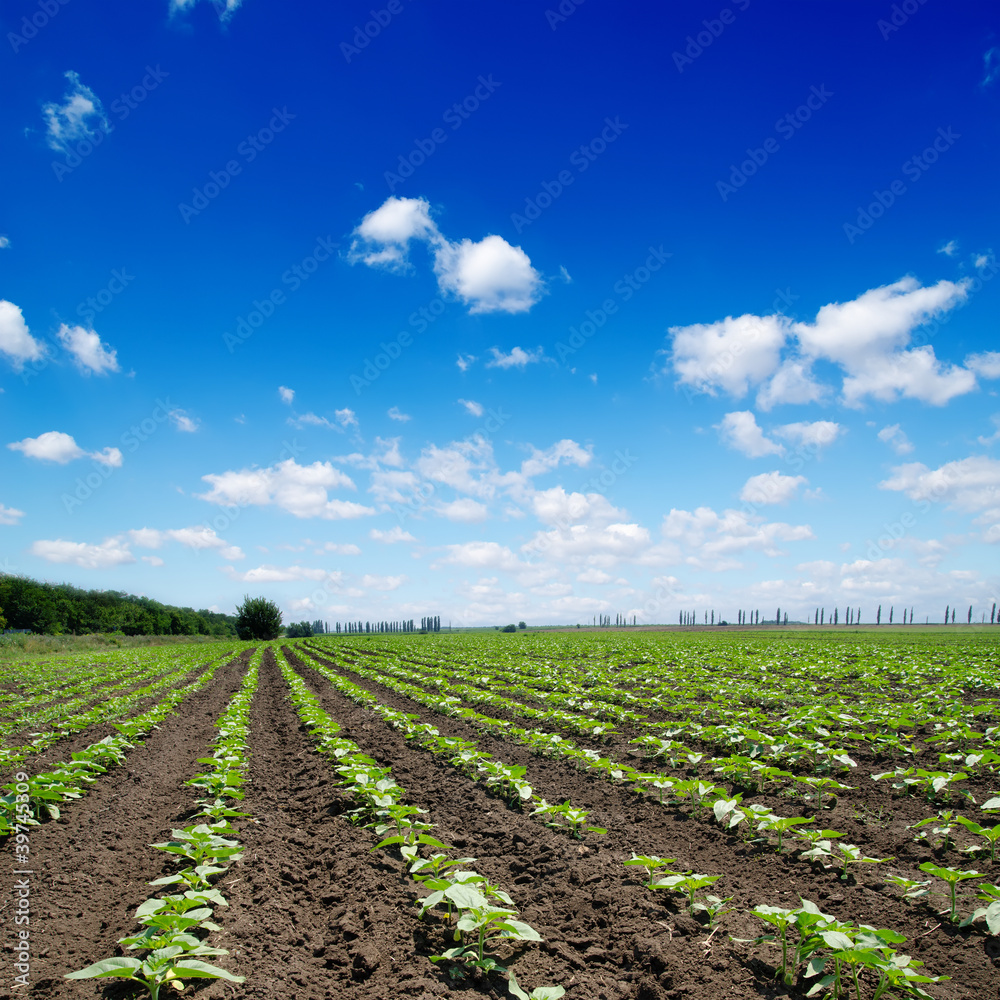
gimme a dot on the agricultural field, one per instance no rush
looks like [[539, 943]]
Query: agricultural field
[[595, 816]]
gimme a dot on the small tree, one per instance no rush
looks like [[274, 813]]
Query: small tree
[[521, 625], [509, 628], [258, 618]]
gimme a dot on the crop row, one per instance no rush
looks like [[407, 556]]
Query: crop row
[[473, 913], [28, 800], [172, 941]]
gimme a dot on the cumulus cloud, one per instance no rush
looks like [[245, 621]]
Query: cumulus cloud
[[870, 338], [395, 413], [894, 436], [393, 535], [709, 535], [286, 394], [986, 364], [301, 490], [111, 552], [813, 434], [731, 354], [89, 354], [10, 515], [488, 275], [518, 358], [771, 487], [199, 537], [466, 361], [224, 8], [341, 548], [949, 249], [55, 446], [741, 432], [464, 510], [602, 546], [80, 116], [16, 342], [557, 507]]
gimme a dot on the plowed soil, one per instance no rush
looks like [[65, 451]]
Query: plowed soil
[[315, 914]]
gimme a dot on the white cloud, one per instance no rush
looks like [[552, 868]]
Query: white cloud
[[111, 552], [771, 487], [566, 450], [286, 394], [395, 413], [741, 432], [466, 466], [481, 555], [465, 510], [55, 446], [471, 406], [182, 421], [982, 260], [199, 537], [346, 417], [517, 358], [949, 249], [969, 484], [15, 340], [153, 560], [376, 582], [591, 545], [393, 535], [300, 490], [813, 434], [224, 8], [393, 486], [995, 436], [731, 533], [731, 354], [10, 515], [985, 364], [343, 549], [868, 337], [557, 507], [488, 275], [894, 436], [90, 355], [4, 242], [279, 574], [915, 374], [80, 116], [466, 361], [991, 66], [792, 383]]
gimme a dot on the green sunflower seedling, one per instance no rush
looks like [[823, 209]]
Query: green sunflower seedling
[[991, 834], [991, 912], [780, 825], [687, 884], [538, 993], [951, 877], [655, 866], [159, 968]]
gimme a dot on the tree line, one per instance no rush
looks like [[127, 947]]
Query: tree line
[[62, 609]]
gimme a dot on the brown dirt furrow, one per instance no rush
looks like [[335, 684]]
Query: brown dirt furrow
[[313, 913], [754, 875], [91, 867]]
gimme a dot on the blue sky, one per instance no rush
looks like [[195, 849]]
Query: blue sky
[[530, 310]]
